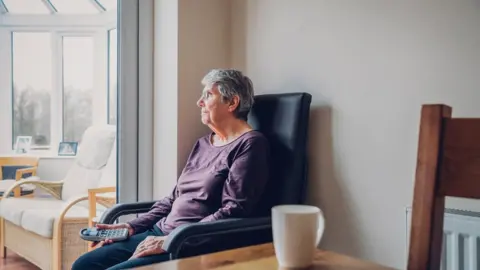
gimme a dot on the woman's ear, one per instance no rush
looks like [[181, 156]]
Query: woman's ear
[[234, 103]]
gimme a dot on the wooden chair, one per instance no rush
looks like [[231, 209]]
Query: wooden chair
[[448, 164], [13, 169]]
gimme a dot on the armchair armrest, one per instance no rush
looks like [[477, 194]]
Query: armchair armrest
[[122, 209], [178, 238], [94, 196], [52, 187], [227, 228]]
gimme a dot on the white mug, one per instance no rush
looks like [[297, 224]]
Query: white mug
[[297, 231]]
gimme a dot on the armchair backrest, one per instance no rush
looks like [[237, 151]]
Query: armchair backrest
[[93, 154], [283, 119], [109, 173]]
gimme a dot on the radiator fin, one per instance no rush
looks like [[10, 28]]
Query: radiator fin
[[461, 240]]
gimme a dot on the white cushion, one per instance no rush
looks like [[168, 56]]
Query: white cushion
[[38, 215], [96, 146], [93, 154], [79, 181], [42, 221], [109, 173], [12, 209]]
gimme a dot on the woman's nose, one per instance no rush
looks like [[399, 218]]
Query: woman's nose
[[200, 102]]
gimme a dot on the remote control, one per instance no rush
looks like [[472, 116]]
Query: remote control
[[96, 235]]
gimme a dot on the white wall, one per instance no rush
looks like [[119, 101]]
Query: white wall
[[165, 96], [54, 168], [369, 65], [191, 37], [203, 44]]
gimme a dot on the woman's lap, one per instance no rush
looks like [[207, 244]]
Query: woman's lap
[[116, 255]]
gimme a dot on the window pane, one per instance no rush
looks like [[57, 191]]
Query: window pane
[[109, 4], [32, 86], [112, 76], [78, 66], [26, 6], [74, 6]]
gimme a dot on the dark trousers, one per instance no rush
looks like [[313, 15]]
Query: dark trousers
[[115, 256]]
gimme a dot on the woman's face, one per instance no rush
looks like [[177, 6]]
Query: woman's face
[[213, 109]]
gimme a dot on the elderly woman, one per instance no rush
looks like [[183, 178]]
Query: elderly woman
[[224, 177]]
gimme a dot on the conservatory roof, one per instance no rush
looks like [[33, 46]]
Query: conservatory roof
[[53, 7]]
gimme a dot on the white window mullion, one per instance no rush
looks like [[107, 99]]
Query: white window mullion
[[3, 8], [50, 6], [57, 93], [70, 21], [6, 109], [100, 94]]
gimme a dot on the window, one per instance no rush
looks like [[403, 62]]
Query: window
[[78, 67], [109, 4], [26, 7], [74, 6], [112, 76], [32, 86], [60, 72]]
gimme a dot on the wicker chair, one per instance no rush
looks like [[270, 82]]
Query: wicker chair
[[45, 230]]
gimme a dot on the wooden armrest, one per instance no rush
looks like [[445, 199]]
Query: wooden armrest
[[20, 172], [102, 190], [94, 197], [18, 176], [52, 187]]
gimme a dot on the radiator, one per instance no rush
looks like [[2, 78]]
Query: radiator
[[461, 239]]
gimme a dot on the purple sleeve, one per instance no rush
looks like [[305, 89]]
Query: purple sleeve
[[159, 210], [245, 182]]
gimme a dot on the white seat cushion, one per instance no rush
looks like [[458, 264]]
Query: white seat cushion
[[42, 221], [12, 209], [38, 215]]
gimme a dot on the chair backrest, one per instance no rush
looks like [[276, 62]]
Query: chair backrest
[[283, 119], [93, 154], [448, 164], [9, 165]]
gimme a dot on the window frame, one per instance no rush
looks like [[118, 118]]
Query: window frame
[[108, 77], [95, 25]]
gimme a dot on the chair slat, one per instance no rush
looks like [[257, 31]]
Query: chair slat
[[460, 169], [427, 216]]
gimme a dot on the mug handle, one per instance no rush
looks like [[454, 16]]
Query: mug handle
[[321, 227]]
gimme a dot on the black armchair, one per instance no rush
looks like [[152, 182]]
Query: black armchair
[[283, 119]]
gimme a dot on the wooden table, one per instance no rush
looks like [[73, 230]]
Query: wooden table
[[261, 257]]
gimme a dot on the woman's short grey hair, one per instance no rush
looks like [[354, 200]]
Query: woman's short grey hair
[[232, 83]]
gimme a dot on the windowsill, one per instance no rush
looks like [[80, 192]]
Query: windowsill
[[56, 156], [39, 154]]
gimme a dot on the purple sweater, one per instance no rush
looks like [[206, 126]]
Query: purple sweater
[[217, 182]]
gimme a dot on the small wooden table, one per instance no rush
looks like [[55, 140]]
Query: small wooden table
[[261, 257]]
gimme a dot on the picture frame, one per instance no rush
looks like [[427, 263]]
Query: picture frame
[[67, 148], [23, 144]]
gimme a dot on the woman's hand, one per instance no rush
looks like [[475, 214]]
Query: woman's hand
[[150, 246], [111, 227]]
